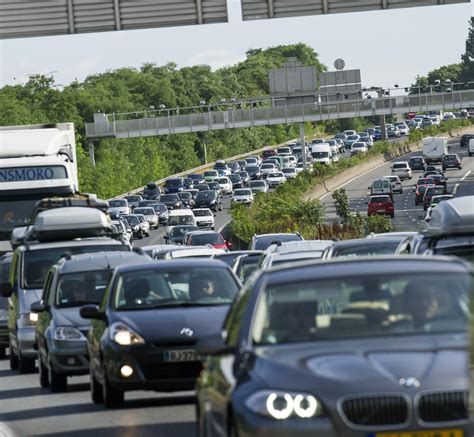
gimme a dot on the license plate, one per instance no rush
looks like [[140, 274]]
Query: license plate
[[381, 210], [181, 355], [428, 433]]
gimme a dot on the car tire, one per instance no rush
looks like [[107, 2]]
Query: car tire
[[43, 373], [112, 398], [97, 394], [13, 359], [220, 207], [3, 353], [392, 215], [57, 381], [26, 365]]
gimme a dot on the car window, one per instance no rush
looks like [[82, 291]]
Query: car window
[[37, 262], [81, 288], [157, 288], [371, 305]]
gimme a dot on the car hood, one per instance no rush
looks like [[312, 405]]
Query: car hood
[[165, 325], [369, 366], [70, 317]]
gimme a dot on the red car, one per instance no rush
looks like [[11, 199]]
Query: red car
[[380, 205], [268, 153], [203, 238]]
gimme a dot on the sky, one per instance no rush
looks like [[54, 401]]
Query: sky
[[388, 46]]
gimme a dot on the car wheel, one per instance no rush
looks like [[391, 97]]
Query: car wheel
[[220, 207], [112, 398], [13, 359], [392, 215], [97, 394], [43, 373], [57, 381], [2, 353], [26, 365]]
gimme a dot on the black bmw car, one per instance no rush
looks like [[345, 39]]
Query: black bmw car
[[354, 347], [143, 335]]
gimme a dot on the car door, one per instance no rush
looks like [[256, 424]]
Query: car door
[[96, 332], [44, 318]]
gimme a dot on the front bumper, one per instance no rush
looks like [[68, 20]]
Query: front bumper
[[150, 371], [69, 357]]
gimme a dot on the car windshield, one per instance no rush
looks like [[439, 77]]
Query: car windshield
[[235, 178], [175, 220], [320, 154], [243, 192], [181, 231], [380, 199], [144, 211], [184, 195], [263, 241], [141, 218], [365, 249], [117, 203], [258, 184], [252, 169], [400, 165], [206, 195], [169, 198], [212, 173], [14, 213], [132, 220], [76, 289], [134, 198], [174, 182], [353, 137], [37, 262], [202, 213], [269, 165], [203, 239], [174, 287], [369, 305], [159, 207]]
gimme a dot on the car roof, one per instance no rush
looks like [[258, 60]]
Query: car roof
[[380, 265], [98, 261], [79, 242], [202, 232], [178, 263], [364, 242]]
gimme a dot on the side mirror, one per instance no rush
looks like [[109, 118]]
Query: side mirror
[[228, 244], [92, 312], [6, 289], [166, 238], [366, 203], [38, 307]]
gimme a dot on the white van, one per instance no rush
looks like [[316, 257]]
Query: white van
[[321, 153], [179, 217], [470, 148], [381, 186]]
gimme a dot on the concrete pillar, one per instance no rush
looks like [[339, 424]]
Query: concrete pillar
[[303, 145], [91, 153], [383, 128]]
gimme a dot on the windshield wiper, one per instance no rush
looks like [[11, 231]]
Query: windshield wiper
[[176, 304]]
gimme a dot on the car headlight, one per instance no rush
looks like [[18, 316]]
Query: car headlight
[[282, 405], [68, 333], [136, 228], [124, 336], [28, 319]]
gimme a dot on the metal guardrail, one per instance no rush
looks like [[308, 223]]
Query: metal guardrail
[[205, 167], [271, 115]]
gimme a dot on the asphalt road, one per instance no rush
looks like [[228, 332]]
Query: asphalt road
[[30, 410], [407, 214]]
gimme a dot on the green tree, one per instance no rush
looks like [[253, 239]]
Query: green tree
[[468, 57]]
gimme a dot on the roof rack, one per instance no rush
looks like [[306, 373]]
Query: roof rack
[[64, 224], [78, 200]]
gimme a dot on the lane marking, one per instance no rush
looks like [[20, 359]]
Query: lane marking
[[455, 189]]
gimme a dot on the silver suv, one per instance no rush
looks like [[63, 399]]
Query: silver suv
[[402, 169]]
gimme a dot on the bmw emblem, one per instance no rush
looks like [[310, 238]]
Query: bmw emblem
[[410, 382]]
